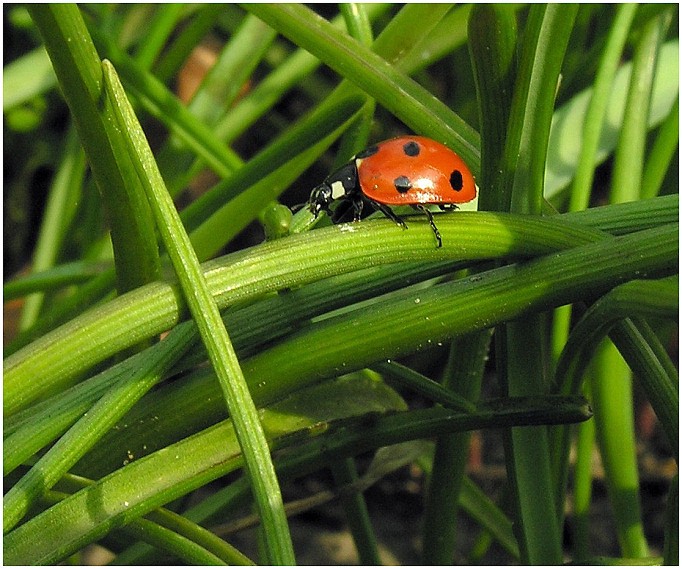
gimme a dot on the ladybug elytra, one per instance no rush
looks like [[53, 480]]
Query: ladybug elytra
[[408, 170]]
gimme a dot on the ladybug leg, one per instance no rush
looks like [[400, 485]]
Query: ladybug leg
[[358, 206], [388, 212], [431, 223]]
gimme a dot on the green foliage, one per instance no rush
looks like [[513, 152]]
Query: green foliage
[[127, 392]]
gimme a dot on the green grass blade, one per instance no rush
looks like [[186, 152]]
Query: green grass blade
[[400, 95], [284, 263], [527, 450], [78, 70], [26, 77], [162, 24], [60, 209], [463, 378], [658, 377], [612, 381], [150, 482], [629, 157], [611, 387], [217, 93], [88, 430], [565, 139], [662, 152], [583, 488], [211, 329], [596, 111], [186, 40], [50, 279], [492, 46], [545, 40], [357, 516], [161, 103], [642, 298]]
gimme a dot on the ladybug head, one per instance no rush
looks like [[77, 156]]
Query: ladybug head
[[342, 184], [320, 198]]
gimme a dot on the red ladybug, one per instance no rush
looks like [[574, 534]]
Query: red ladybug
[[408, 170]]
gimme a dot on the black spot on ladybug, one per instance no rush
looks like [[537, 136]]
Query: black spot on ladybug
[[411, 148], [456, 180], [367, 152], [402, 184]]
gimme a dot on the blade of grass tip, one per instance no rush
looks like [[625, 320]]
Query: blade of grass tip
[[59, 212], [527, 450], [79, 72], [203, 308]]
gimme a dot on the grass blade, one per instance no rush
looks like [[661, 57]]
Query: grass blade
[[211, 329]]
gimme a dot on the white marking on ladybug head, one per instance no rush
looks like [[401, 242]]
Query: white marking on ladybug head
[[338, 191]]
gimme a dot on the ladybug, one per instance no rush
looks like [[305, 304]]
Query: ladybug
[[408, 170]]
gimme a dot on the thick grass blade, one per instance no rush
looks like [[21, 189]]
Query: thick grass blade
[[527, 450], [150, 482], [203, 308], [288, 262], [492, 45]]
